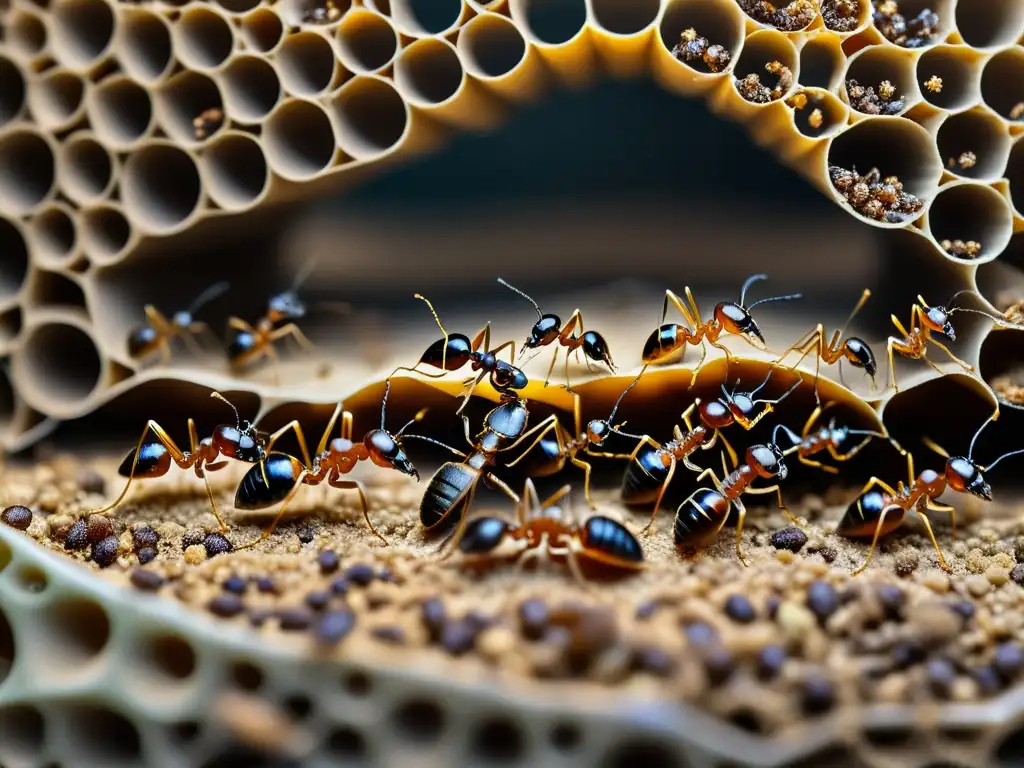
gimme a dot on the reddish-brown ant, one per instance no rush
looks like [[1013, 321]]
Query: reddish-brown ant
[[876, 513], [279, 476], [830, 438], [653, 465], [549, 329], [854, 350], [452, 352], [544, 531], [153, 457], [668, 339], [158, 332]]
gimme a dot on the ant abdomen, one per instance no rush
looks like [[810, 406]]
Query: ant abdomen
[[596, 348], [154, 461], [663, 344], [451, 356], [267, 483], [859, 355], [445, 496], [861, 517], [482, 535], [243, 343], [603, 535], [142, 341], [700, 518], [644, 476]]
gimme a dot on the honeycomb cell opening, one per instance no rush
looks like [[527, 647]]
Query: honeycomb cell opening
[[54, 289], [12, 90], [824, 114], [299, 140], [720, 23], [59, 364], [991, 24], [419, 721], [876, 64], [26, 33], [120, 111], [101, 736], [551, 22], [238, 6], [82, 31], [974, 145], [182, 101], [24, 734], [762, 48], [105, 233], [54, 235], [959, 71], [1002, 84], [145, 49], [640, 751], [346, 743], [429, 72], [251, 89], [56, 99], [27, 171], [492, 46], [625, 18], [1015, 174], [307, 64], [366, 41], [499, 740], [204, 39], [262, 30], [170, 657], [371, 117], [236, 171], [426, 17], [161, 187], [822, 63], [6, 631], [14, 264], [87, 170]]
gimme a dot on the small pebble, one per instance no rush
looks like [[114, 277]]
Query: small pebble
[[17, 517], [654, 660], [791, 539], [390, 635], [194, 554], [318, 600], [340, 586], [1008, 660], [260, 616], [458, 637], [191, 538], [266, 585], [892, 598], [739, 609], [1017, 574], [145, 579], [305, 533], [226, 604], [91, 481], [906, 562], [533, 618], [963, 608], [294, 619], [936, 581], [701, 635], [941, 675], [822, 599], [333, 626], [216, 544], [795, 619], [104, 551], [770, 660], [496, 643], [98, 527], [432, 611], [328, 561], [234, 583], [819, 695], [934, 624], [360, 574], [987, 679], [144, 536], [146, 555], [719, 664], [997, 575], [977, 585]]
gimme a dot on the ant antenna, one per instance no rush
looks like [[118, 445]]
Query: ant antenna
[[432, 441], [444, 352], [1004, 456], [384, 401], [750, 281], [781, 397], [625, 392], [238, 418], [303, 275], [989, 420], [208, 295], [863, 299], [766, 379], [793, 438], [525, 296], [418, 417], [787, 297]]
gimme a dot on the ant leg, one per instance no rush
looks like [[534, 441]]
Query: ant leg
[[954, 358], [733, 457], [511, 345], [322, 445], [291, 329], [553, 425], [213, 504], [661, 495], [678, 304], [741, 515], [163, 437], [853, 451], [200, 328], [165, 351], [355, 485], [777, 489], [269, 530], [931, 535], [452, 542], [570, 554], [501, 485], [890, 345], [294, 425], [819, 465], [554, 359], [874, 541], [586, 479], [804, 344], [694, 309], [934, 506], [469, 393], [700, 363], [544, 425], [240, 325]]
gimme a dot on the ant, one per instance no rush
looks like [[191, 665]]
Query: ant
[[153, 457], [548, 329], [854, 350], [830, 438], [663, 344], [279, 475], [544, 531], [455, 350], [699, 519], [558, 445], [158, 332], [653, 465], [876, 513]]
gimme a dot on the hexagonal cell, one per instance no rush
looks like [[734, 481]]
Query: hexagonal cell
[[822, 63], [186, 98], [161, 187], [992, 24], [959, 70], [236, 171], [251, 88], [144, 45], [298, 140], [120, 111], [1002, 84], [421, 18], [307, 64], [552, 22], [429, 72], [56, 99], [26, 33], [371, 117], [29, 171], [974, 145], [721, 24], [86, 169], [83, 31], [367, 42], [203, 38], [624, 18], [262, 30]]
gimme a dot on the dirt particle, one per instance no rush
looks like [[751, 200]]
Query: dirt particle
[[91, 481], [318, 599], [1008, 660], [739, 609], [936, 580], [294, 619], [795, 619], [933, 623], [146, 580], [216, 544], [18, 517], [533, 618], [1017, 574], [194, 554], [192, 537], [98, 527], [997, 575], [770, 661], [226, 605], [790, 539], [906, 562], [818, 695], [977, 585], [328, 561], [458, 636], [104, 551], [146, 555], [334, 626], [822, 599], [934, 84], [360, 574], [144, 536]]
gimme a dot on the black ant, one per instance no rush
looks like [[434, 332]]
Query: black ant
[[665, 342], [699, 519], [830, 438], [653, 465], [279, 476], [548, 329], [544, 531], [455, 350], [158, 332], [854, 350], [876, 513], [152, 458]]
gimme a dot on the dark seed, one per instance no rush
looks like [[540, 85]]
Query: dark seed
[[533, 618], [76, 537], [720, 664], [386, 574], [941, 674], [266, 585], [792, 539], [234, 584], [145, 579], [458, 637], [333, 626], [644, 611], [963, 608], [227, 604], [1017, 574], [987, 679], [294, 619], [432, 612], [655, 660], [770, 660], [144, 536], [892, 598], [339, 586], [479, 620], [828, 554], [390, 635], [306, 533], [216, 544], [328, 561], [104, 551], [906, 654], [700, 634], [771, 605], [91, 481], [17, 517], [819, 695], [739, 609], [146, 555], [822, 599], [260, 616], [98, 527], [1008, 660], [360, 574], [318, 600], [191, 538]]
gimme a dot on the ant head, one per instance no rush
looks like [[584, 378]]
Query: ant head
[[386, 451], [248, 445], [181, 319], [544, 331], [285, 306], [598, 431], [767, 461], [715, 414], [741, 404], [859, 355], [736, 319], [965, 476], [937, 319], [505, 376]]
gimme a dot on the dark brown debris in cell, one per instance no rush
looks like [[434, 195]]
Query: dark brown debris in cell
[[789, 18], [965, 160], [17, 517], [882, 199], [816, 119], [907, 33], [870, 101], [753, 90], [207, 123], [692, 48], [321, 12], [964, 250], [840, 15]]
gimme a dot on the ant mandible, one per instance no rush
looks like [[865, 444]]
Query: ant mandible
[[668, 339], [158, 332], [279, 476], [452, 352], [545, 531], [152, 458], [876, 513], [830, 438], [548, 329], [854, 350]]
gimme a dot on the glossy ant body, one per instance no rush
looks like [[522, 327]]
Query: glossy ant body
[[250, 343], [549, 329], [668, 339], [278, 477], [854, 350], [153, 457], [699, 519], [158, 332], [830, 438], [876, 513], [545, 531], [652, 465], [455, 350]]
